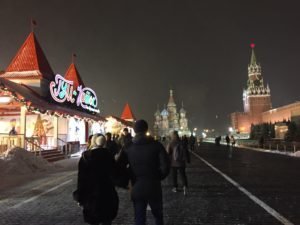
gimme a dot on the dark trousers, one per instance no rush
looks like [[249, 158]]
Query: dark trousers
[[192, 147], [140, 209], [182, 175]]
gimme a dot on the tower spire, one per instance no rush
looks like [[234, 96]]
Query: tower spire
[[253, 57], [33, 24], [73, 58], [171, 102]]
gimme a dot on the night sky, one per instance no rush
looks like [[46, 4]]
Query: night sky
[[134, 51]]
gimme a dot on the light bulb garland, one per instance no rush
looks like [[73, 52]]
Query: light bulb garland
[[32, 109]]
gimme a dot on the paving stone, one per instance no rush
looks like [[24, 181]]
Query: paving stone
[[210, 200]]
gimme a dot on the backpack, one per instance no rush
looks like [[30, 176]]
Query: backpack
[[178, 153]]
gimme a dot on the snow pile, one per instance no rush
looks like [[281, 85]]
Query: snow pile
[[297, 154], [18, 161]]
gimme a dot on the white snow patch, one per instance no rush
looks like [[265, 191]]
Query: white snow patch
[[18, 161], [297, 154]]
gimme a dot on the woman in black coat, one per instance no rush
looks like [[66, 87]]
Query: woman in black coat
[[96, 192]]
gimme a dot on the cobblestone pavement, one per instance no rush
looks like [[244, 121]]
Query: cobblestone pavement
[[211, 199]]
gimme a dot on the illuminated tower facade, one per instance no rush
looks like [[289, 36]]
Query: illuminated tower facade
[[256, 96]]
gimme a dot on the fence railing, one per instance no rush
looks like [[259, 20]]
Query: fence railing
[[64, 147], [32, 144], [277, 145], [9, 141]]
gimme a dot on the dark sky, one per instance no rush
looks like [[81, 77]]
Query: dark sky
[[136, 50]]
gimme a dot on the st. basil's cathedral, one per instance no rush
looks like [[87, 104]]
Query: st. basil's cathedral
[[169, 120]]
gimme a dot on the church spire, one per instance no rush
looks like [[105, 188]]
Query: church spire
[[171, 102], [182, 110]]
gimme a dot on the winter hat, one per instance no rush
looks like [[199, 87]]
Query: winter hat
[[140, 126]]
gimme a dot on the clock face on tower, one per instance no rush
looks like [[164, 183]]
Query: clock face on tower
[[257, 82]]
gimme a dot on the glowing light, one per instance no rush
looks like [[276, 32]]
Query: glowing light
[[148, 133], [5, 99], [62, 90], [230, 129], [252, 45]]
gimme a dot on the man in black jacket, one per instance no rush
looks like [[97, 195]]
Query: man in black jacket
[[149, 164]]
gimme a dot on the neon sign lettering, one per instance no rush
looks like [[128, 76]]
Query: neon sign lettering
[[62, 90]]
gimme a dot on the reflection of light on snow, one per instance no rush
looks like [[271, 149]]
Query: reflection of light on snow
[[77, 154]]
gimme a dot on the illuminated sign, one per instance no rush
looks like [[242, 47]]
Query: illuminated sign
[[62, 90]]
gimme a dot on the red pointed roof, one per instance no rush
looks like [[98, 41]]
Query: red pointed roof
[[29, 62], [127, 113], [73, 75]]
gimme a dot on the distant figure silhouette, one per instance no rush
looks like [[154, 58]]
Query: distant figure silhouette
[[179, 154], [227, 140], [232, 140]]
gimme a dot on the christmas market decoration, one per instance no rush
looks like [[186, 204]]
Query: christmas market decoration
[[62, 90], [39, 130]]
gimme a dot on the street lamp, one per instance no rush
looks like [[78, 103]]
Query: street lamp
[[195, 129]]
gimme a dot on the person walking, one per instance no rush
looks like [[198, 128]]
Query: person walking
[[95, 190], [192, 142], [126, 139], [232, 141], [179, 155], [111, 145], [149, 164], [227, 138], [185, 142]]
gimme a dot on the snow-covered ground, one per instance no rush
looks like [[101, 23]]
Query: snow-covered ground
[[18, 166], [292, 154], [18, 161]]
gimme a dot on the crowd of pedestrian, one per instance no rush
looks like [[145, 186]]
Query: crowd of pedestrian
[[230, 140], [138, 164]]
